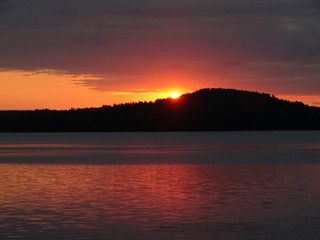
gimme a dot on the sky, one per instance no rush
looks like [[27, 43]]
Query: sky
[[62, 54]]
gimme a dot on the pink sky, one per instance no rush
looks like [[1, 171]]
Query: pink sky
[[76, 53]]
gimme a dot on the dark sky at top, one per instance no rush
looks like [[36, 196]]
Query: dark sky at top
[[272, 45]]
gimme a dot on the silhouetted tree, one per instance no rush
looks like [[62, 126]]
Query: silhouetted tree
[[204, 110]]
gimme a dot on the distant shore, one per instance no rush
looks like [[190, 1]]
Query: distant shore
[[202, 110]]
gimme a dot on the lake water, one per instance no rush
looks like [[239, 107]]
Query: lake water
[[199, 185]]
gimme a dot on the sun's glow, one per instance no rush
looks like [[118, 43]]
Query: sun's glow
[[175, 95]]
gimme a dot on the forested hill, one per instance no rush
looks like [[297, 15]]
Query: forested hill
[[203, 110]]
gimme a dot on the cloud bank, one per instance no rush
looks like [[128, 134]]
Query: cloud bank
[[263, 44]]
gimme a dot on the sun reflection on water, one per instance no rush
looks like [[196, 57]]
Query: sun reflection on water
[[100, 200]]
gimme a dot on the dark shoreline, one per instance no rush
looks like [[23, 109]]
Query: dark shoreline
[[203, 110]]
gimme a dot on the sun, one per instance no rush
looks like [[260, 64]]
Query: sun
[[175, 95]]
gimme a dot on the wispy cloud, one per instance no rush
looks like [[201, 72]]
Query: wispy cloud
[[236, 42]]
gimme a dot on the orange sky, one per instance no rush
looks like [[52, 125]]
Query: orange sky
[[22, 90], [79, 53]]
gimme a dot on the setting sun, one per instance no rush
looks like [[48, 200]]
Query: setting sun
[[175, 95]]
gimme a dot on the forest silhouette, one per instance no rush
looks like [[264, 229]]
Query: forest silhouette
[[203, 110]]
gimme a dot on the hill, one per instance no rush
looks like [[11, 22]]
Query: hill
[[202, 110]]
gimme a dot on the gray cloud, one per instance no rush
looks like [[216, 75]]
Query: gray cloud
[[266, 43]]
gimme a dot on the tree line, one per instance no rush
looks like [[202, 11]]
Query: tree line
[[203, 110]]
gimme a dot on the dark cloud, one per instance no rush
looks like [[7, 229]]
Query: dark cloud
[[244, 42]]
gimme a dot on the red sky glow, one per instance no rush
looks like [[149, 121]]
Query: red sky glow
[[77, 53]]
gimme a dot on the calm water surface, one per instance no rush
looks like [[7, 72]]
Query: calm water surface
[[235, 185]]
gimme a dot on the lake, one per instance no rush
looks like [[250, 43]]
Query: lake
[[169, 185]]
